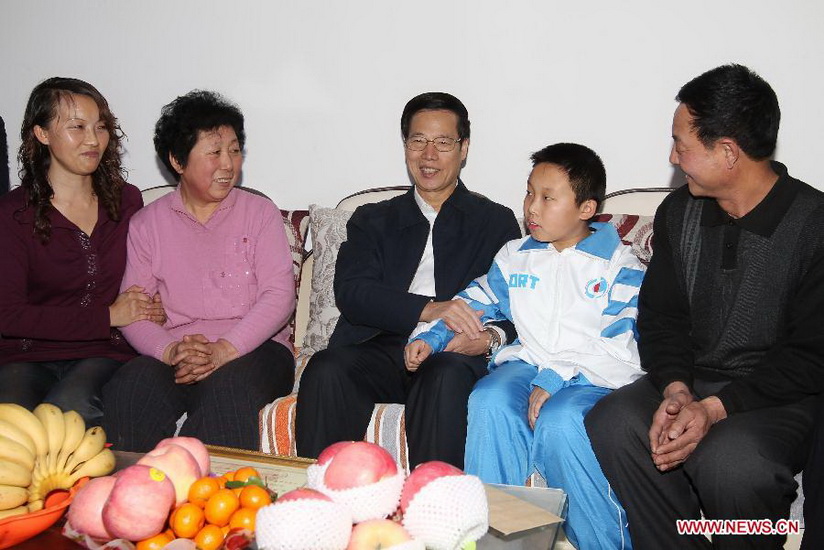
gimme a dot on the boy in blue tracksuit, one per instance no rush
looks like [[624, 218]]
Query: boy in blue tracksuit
[[571, 290]]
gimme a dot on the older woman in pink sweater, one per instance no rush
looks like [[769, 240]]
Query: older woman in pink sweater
[[219, 259]]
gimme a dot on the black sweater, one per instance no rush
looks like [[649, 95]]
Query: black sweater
[[738, 300]]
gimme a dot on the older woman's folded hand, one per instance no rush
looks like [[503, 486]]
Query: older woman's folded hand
[[191, 372], [191, 358], [222, 351], [192, 345]]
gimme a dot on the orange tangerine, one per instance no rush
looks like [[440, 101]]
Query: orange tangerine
[[243, 519], [237, 491], [228, 476], [202, 489], [209, 538], [187, 520], [156, 542], [243, 474], [221, 506], [254, 497]]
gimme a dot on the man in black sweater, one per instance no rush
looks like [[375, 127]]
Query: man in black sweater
[[730, 331], [403, 261]]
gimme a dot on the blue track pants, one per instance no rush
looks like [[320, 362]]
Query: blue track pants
[[502, 448]]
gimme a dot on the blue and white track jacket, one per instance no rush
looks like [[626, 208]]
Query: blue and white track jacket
[[574, 310]]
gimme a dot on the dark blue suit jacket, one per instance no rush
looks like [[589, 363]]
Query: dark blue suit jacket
[[385, 242]]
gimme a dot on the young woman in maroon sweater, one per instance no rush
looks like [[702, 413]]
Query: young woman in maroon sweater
[[63, 243]]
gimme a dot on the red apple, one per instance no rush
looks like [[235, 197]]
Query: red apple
[[139, 503], [301, 494], [357, 463], [423, 474], [177, 463], [194, 446], [377, 533], [330, 451], [86, 510]]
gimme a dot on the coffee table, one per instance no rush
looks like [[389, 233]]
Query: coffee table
[[539, 538]]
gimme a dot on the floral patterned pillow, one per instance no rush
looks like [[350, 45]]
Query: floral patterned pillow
[[635, 231], [327, 227]]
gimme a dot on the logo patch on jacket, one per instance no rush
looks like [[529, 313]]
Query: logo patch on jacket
[[523, 280], [596, 288]]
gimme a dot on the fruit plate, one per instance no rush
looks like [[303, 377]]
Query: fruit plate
[[16, 529]]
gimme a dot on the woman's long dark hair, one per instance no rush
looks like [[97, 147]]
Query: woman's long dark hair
[[34, 157]]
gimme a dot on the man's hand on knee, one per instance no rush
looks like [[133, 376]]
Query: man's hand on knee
[[680, 423], [684, 434], [676, 396]]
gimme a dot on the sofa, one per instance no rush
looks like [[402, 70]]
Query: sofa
[[323, 230], [314, 237]]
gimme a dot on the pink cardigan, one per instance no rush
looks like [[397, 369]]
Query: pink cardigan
[[229, 278]]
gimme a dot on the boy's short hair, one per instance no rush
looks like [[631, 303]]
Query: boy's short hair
[[586, 173]]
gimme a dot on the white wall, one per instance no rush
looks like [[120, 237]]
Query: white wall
[[323, 83]]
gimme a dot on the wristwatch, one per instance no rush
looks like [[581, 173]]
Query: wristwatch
[[494, 342]]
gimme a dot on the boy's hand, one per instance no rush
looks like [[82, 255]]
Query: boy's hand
[[415, 353], [537, 398]]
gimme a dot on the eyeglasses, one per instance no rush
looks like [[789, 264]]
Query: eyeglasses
[[442, 144]]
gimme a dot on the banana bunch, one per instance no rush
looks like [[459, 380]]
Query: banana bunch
[[45, 450]]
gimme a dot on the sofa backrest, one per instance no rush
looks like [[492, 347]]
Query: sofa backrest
[[640, 201], [317, 315]]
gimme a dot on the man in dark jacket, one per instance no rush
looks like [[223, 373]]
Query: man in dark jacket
[[729, 321], [403, 261]]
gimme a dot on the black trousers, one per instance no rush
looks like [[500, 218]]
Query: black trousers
[[742, 469], [814, 487], [341, 385], [74, 385], [142, 403]]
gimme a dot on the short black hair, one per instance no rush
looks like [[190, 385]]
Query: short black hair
[[181, 121], [586, 173], [733, 101], [436, 101]]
